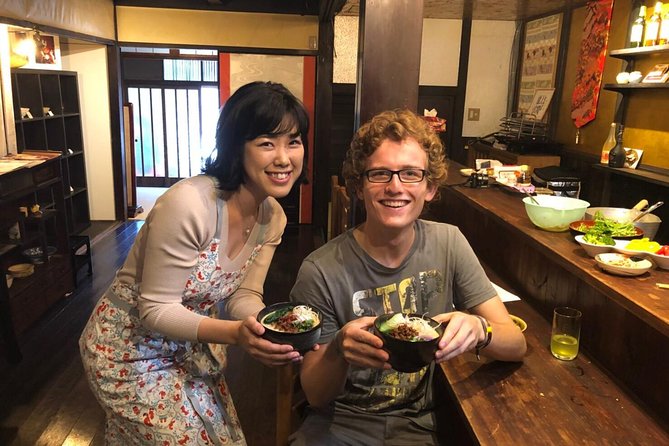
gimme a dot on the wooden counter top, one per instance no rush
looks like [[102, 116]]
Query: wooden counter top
[[545, 400], [639, 294], [624, 336]]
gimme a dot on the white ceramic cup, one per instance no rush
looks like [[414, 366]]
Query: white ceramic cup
[[623, 77], [635, 77]]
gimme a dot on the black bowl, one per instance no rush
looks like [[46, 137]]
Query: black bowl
[[303, 341], [408, 356], [36, 254]]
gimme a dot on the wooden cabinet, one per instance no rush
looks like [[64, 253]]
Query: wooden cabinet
[[37, 237], [47, 114]]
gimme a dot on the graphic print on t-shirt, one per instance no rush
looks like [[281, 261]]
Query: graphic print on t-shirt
[[409, 295]]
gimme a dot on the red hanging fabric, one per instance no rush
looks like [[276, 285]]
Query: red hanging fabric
[[591, 61]]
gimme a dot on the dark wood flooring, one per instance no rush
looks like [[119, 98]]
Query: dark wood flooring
[[45, 399]]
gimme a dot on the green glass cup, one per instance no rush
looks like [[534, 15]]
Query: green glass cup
[[566, 333]]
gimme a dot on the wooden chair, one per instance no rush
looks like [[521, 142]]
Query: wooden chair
[[290, 403], [290, 400], [340, 208]]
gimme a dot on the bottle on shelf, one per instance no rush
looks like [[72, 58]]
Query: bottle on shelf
[[638, 27], [609, 144], [663, 37], [617, 155], [652, 34]]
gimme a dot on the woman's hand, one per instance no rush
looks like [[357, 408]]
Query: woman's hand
[[463, 331], [270, 354], [359, 347]]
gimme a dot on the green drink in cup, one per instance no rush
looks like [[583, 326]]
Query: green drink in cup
[[565, 333]]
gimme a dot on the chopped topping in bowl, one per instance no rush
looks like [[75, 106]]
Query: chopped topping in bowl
[[409, 328], [297, 319]]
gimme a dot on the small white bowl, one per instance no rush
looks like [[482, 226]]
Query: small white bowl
[[621, 264], [660, 261], [591, 249], [466, 172], [621, 248]]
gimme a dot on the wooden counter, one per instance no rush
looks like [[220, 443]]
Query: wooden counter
[[624, 338], [544, 400]]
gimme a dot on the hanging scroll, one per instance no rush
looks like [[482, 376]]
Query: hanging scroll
[[591, 61]]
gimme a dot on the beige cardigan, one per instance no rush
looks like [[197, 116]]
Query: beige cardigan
[[180, 225]]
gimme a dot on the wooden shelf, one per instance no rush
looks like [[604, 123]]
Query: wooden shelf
[[631, 53], [30, 297], [61, 132], [622, 88], [659, 178]]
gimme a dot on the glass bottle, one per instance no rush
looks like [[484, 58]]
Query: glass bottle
[[617, 154], [653, 26], [663, 38], [638, 27], [609, 144]]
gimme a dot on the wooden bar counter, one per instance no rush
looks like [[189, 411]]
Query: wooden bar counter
[[617, 389]]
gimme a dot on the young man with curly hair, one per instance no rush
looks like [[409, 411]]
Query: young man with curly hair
[[393, 262]]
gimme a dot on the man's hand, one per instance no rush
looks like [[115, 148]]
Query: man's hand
[[359, 346], [462, 332]]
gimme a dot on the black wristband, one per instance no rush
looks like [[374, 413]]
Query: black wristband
[[487, 331]]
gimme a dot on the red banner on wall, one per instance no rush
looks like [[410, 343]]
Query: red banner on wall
[[591, 61]]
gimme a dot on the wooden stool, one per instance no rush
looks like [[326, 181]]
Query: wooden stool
[[79, 260]]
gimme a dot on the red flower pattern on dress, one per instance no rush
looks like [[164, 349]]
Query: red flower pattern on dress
[[147, 364]]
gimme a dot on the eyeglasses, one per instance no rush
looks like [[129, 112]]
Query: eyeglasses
[[410, 175]]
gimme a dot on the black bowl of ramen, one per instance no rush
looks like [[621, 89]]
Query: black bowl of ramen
[[292, 323], [410, 339]]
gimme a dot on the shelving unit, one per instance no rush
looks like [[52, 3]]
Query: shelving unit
[[29, 298], [58, 131], [630, 56], [622, 187]]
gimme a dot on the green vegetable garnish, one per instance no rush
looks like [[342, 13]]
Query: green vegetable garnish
[[605, 229], [276, 315]]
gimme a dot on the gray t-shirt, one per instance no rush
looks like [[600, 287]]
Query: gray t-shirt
[[440, 273]]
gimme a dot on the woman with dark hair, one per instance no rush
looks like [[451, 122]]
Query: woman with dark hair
[[208, 240]]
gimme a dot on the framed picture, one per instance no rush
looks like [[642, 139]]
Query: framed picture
[[632, 157], [41, 50], [540, 102], [538, 58]]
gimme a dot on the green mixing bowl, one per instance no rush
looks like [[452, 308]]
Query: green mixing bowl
[[554, 213]]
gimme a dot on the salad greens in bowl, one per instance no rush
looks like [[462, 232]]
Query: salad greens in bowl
[[602, 230]]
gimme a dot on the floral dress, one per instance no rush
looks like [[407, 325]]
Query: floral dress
[[156, 390]]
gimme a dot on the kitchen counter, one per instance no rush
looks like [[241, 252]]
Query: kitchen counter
[[625, 333], [542, 400]]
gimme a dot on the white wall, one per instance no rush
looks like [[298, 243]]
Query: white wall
[[440, 52], [90, 61], [488, 74]]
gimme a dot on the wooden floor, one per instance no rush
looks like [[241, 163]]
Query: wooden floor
[[45, 399]]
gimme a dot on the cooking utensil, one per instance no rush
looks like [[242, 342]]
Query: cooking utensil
[[648, 211], [640, 205], [534, 200]]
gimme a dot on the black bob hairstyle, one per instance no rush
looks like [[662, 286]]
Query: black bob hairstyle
[[257, 108]]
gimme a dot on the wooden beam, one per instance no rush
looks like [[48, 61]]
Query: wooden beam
[[389, 46]]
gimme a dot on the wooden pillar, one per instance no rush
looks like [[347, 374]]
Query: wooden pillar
[[389, 45]]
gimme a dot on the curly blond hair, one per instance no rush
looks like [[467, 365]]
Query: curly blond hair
[[395, 125]]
